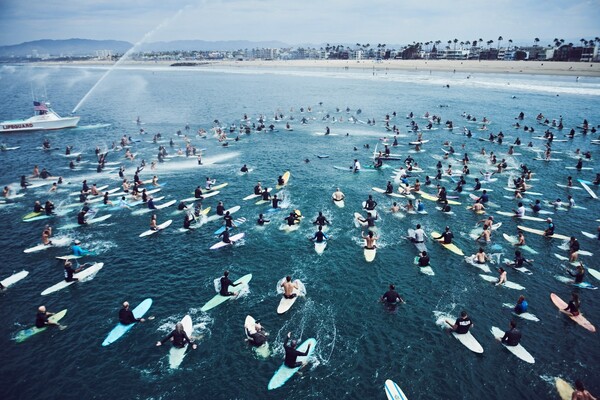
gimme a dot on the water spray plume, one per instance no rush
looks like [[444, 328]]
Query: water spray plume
[[126, 55]]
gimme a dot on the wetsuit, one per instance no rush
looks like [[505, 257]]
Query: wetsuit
[[81, 218], [198, 193], [447, 236], [257, 190], [180, 338], [463, 325], [69, 271], [37, 208], [319, 237], [536, 207], [228, 221], [370, 204], [511, 337], [220, 209], [261, 221], [423, 261], [578, 276], [41, 319], [572, 308], [391, 296], [126, 317], [321, 220], [389, 189], [265, 195], [225, 236], [275, 202], [151, 205], [521, 307], [225, 283], [291, 354], [291, 220]]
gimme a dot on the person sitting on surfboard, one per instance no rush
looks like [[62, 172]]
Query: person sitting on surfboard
[[370, 240], [225, 235], [511, 337], [225, 283], [288, 288], [220, 208], [370, 204], [77, 250], [321, 220], [550, 230], [257, 188], [574, 304], [319, 236], [280, 180], [521, 306], [261, 221], [519, 259], [338, 195], [391, 296], [69, 271], [41, 318], [257, 334], [579, 274], [423, 259], [447, 236], [502, 279], [126, 316], [291, 354], [209, 183], [292, 219], [462, 324]]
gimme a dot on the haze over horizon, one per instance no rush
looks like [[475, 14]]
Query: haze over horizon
[[333, 21]]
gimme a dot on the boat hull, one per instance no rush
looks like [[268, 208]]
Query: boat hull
[[39, 123]]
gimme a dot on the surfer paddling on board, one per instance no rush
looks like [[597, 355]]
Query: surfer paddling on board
[[519, 260], [178, 337], [462, 324], [225, 283], [288, 288], [126, 316], [511, 337], [291, 354]]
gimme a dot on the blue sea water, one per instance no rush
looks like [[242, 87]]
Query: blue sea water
[[361, 343]]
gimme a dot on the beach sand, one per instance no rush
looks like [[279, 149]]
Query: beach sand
[[465, 66]]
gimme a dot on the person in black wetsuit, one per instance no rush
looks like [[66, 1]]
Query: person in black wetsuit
[[261, 220], [574, 304], [228, 219], [41, 318], [292, 219], [225, 283], [258, 189], [447, 236], [424, 259], [257, 334], [178, 337], [321, 220], [274, 201], [69, 271], [198, 193], [462, 324], [126, 316], [220, 208], [291, 354], [391, 296], [579, 274], [511, 337], [244, 168], [225, 236], [389, 189]]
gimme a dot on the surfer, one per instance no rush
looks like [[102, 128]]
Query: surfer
[[511, 337], [356, 166], [261, 220], [573, 249], [258, 189], [521, 306], [520, 211], [78, 251], [419, 235], [338, 195], [220, 208], [580, 393], [126, 316], [321, 220], [46, 233], [256, 333], [462, 324], [209, 183], [225, 283], [292, 219], [370, 204], [69, 271], [480, 257], [225, 236], [447, 236], [288, 288], [423, 259], [519, 260], [579, 274], [291, 354], [550, 230], [319, 236], [391, 296], [502, 278], [370, 240], [41, 319]]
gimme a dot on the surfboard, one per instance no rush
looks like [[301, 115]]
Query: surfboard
[[286, 178], [507, 284], [159, 228], [382, 191], [594, 273], [570, 281], [393, 391], [513, 240], [56, 242], [218, 299], [38, 218], [32, 215], [466, 339], [427, 196], [565, 390], [118, 331], [89, 271], [233, 239], [283, 374], [369, 254], [254, 196], [215, 217], [587, 189], [204, 196], [29, 332], [14, 278], [216, 187], [320, 247], [339, 203], [526, 315], [471, 261], [176, 354], [580, 319], [420, 246], [517, 350], [262, 351], [286, 304], [541, 233], [525, 217], [452, 247]]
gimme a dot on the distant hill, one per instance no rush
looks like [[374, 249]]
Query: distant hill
[[84, 47]]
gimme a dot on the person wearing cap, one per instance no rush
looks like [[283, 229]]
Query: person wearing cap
[[391, 296], [550, 230], [447, 236], [291, 354], [178, 337], [126, 316], [78, 250], [41, 318]]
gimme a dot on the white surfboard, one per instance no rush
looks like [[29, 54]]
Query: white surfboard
[[507, 284], [215, 217], [471, 261], [56, 242], [320, 247], [262, 351], [233, 239], [14, 278], [286, 304], [369, 254], [176, 355], [517, 350], [467, 339], [89, 271], [339, 203], [159, 228], [526, 315], [393, 391]]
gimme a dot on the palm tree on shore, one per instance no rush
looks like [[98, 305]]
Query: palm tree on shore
[[535, 42], [455, 41], [500, 39], [509, 43]]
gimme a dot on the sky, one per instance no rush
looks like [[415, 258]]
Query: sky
[[301, 22]]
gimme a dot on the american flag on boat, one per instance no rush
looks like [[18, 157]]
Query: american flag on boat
[[37, 106]]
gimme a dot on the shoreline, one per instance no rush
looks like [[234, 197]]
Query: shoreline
[[465, 66]]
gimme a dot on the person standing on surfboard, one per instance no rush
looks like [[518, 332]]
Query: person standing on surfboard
[[225, 283], [126, 316], [511, 337], [291, 354], [462, 324]]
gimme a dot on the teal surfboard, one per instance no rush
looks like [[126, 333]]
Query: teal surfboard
[[283, 374], [121, 329], [218, 299]]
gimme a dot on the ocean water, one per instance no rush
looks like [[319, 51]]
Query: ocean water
[[361, 343]]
